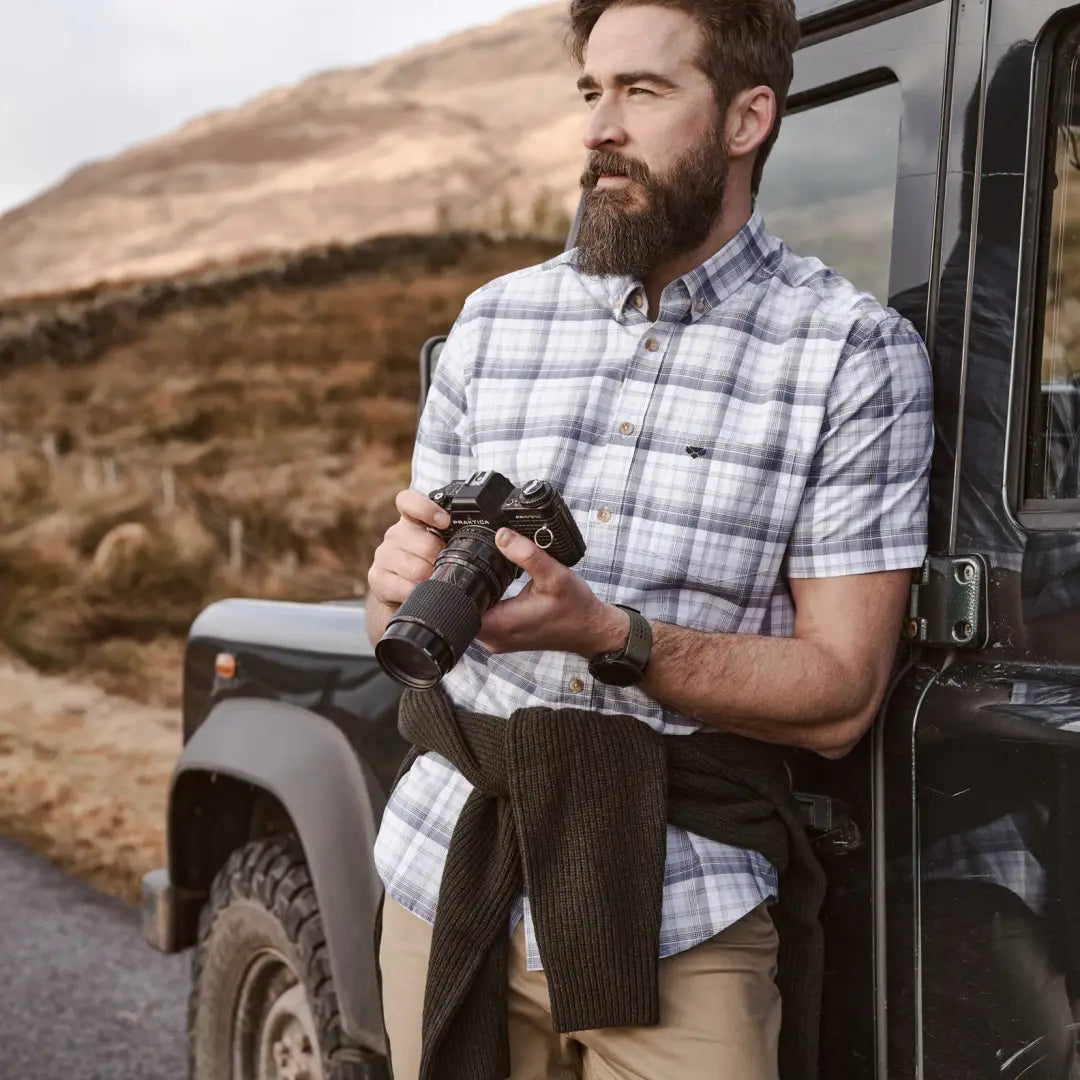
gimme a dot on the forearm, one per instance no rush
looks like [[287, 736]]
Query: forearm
[[787, 690]]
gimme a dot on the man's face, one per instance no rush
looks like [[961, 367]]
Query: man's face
[[654, 180]]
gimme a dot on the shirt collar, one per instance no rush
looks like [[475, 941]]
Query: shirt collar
[[695, 293]]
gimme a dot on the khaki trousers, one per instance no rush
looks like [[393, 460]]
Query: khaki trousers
[[719, 1011]]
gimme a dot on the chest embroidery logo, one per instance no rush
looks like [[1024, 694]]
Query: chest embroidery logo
[[696, 451]]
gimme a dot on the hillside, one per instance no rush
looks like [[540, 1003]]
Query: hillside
[[478, 127], [246, 439]]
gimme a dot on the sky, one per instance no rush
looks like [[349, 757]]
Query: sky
[[81, 80]]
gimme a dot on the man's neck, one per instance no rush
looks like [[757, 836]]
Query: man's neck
[[727, 226]]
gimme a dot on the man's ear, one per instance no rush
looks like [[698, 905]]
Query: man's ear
[[750, 118]]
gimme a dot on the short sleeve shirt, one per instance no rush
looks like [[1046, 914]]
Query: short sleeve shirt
[[772, 422]]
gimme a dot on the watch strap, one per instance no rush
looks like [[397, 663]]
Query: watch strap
[[637, 647]]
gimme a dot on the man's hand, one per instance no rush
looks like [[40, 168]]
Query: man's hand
[[556, 611], [406, 555]]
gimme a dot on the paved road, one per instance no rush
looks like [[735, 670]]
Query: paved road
[[81, 996]]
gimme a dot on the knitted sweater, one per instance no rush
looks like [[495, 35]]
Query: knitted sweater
[[570, 806]]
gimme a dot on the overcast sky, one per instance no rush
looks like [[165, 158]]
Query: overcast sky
[[83, 79]]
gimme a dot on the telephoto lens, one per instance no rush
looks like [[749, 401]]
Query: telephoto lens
[[430, 632]]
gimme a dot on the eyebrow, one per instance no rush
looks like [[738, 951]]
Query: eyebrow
[[628, 78]]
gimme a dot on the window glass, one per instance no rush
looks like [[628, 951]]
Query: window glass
[[1054, 424], [829, 186]]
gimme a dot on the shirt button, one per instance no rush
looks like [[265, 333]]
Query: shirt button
[[637, 301], [652, 344], [700, 306], [626, 428], [577, 685], [603, 516]]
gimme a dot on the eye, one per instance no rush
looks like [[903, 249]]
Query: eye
[[639, 90], [590, 98]]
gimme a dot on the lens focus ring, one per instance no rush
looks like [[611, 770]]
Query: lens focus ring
[[440, 604]]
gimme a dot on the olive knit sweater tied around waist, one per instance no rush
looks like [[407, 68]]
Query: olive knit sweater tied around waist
[[570, 807]]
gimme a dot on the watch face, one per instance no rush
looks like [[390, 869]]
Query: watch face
[[615, 672]]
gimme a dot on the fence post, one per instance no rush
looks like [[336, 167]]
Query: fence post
[[49, 449], [168, 490], [90, 475], [236, 545]]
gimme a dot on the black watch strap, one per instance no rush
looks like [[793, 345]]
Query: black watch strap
[[626, 666]]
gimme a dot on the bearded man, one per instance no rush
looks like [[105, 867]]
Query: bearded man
[[587, 862]]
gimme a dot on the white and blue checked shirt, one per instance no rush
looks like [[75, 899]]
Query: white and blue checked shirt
[[772, 422]]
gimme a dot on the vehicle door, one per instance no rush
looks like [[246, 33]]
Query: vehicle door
[[984, 890]]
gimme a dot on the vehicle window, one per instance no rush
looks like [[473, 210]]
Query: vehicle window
[[829, 186], [1052, 466]]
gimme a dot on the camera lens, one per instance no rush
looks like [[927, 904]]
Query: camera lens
[[413, 655], [430, 632]]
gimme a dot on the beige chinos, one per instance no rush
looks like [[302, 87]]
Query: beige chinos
[[719, 1011]]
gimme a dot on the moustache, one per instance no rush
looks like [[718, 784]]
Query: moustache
[[603, 164]]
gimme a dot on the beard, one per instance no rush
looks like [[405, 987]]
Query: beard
[[635, 227]]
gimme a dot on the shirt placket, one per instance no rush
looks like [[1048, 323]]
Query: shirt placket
[[605, 524]]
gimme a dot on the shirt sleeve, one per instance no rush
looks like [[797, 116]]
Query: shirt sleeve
[[865, 505], [443, 451]]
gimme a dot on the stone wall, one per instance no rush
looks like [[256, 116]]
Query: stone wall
[[79, 326]]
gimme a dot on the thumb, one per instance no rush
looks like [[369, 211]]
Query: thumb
[[537, 563]]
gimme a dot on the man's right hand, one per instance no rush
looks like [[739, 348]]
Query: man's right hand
[[407, 554]]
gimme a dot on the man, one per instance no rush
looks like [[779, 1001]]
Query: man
[[744, 440]]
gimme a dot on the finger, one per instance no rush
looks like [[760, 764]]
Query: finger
[[389, 588], [536, 562], [412, 567], [416, 539], [419, 508]]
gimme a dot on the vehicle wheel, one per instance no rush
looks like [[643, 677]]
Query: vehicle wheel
[[262, 1004]]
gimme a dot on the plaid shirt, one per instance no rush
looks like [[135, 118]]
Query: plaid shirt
[[772, 422]]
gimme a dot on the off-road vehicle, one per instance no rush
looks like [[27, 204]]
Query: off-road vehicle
[[929, 154]]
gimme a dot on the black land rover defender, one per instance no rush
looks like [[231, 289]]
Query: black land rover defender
[[930, 155]]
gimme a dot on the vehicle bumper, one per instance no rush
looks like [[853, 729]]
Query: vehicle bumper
[[170, 915]]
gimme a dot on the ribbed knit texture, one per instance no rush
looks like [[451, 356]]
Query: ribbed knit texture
[[438, 603], [570, 807]]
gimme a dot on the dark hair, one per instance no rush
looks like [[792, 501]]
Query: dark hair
[[744, 43]]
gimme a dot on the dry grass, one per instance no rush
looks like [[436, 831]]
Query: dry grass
[[84, 777], [292, 410]]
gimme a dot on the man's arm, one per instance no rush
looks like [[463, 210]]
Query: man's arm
[[819, 689]]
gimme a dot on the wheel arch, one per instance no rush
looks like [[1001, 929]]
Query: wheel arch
[[256, 768]]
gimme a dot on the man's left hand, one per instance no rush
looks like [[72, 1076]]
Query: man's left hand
[[555, 612]]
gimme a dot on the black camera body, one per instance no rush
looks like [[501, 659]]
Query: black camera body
[[430, 632], [487, 500]]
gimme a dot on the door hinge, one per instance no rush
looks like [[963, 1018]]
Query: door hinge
[[948, 602]]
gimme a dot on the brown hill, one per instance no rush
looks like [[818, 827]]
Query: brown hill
[[457, 132]]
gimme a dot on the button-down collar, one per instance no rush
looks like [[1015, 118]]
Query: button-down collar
[[696, 293]]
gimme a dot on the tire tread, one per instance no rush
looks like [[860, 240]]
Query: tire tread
[[274, 874]]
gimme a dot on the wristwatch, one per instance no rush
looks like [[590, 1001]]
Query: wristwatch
[[626, 666]]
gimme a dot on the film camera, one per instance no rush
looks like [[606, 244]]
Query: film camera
[[430, 632]]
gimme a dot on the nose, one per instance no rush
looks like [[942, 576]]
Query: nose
[[603, 129]]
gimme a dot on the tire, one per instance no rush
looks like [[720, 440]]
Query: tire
[[262, 1004]]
